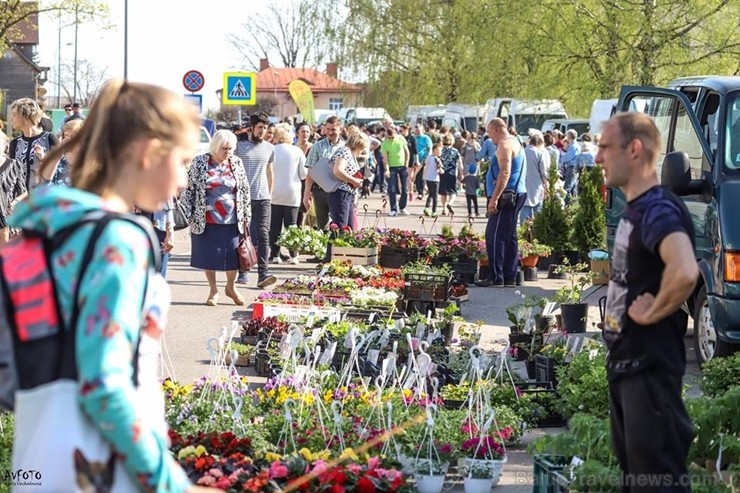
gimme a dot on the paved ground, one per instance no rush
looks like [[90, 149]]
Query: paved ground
[[192, 323]]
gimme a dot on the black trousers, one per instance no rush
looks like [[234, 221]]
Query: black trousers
[[651, 432], [433, 187], [281, 216], [321, 207], [472, 201]]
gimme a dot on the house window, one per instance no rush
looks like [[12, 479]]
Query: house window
[[336, 104]]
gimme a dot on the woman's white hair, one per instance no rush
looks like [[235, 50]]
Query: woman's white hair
[[3, 144], [220, 138]]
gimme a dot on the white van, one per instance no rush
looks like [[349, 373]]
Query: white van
[[459, 117], [580, 126], [601, 111], [524, 114], [424, 113], [360, 116]]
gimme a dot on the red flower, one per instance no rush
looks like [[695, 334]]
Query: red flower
[[365, 485]]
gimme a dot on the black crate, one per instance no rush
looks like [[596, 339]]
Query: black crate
[[548, 472], [545, 369], [427, 287], [395, 258]]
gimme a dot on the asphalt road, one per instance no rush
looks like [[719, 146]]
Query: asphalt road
[[192, 323]]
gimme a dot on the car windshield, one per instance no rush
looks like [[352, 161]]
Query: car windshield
[[580, 128], [732, 157], [524, 121]]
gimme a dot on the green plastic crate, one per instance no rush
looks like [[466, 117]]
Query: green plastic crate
[[547, 469]]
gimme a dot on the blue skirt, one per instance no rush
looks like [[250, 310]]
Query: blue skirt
[[215, 248], [447, 184]]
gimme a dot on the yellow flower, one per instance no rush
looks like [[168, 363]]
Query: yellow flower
[[186, 452], [323, 455], [328, 396], [200, 450], [271, 393], [349, 454], [272, 457], [308, 398], [306, 454], [407, 393]]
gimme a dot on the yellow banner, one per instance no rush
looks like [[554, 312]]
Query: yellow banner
[[303, 97]]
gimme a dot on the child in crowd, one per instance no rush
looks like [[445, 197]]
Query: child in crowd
[[472, 184], [432, 169]]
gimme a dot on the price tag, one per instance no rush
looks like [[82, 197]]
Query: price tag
[[373, 355]]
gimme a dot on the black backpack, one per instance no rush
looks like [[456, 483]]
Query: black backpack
[[36, 346]]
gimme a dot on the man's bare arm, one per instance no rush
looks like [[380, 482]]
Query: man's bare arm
[[679, 279]]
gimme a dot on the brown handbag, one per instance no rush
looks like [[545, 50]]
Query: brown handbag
[[245, 249]]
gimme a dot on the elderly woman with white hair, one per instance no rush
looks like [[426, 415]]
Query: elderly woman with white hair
[[217, 199], [289, 171]]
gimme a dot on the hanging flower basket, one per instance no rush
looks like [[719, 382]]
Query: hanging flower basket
[[530, 261]]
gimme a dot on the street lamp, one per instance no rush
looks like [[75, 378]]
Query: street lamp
[[274, 93], [74, 89], [59, 60]]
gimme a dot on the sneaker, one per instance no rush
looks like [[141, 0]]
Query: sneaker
[[241, 278], [268, 280], [404, 212], [484, 283], [444, 213], [284, 257], [276, 260], [477, 214], [509, 284], [293, 260], [450, 210], [392, 214], [428, 212], [420, 197]]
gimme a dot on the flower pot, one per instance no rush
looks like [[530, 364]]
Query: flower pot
[[574, 316], [477, 485], [531, 369], [429, 484], [496, 466], [530, 274], [250, 340], [519, 280], [530, 261], [447, 331], [554, 272], [521, 339]]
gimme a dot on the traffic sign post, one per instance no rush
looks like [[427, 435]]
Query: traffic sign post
[[239, 88], [196, 100], [193, 81]]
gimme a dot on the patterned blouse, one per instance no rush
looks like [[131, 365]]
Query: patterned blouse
[[449, 157], [220, 194], [350, 168]]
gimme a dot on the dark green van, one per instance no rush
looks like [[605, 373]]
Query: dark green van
[[699, 119]]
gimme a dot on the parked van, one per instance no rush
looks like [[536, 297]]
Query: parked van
[[423, 114], [459, 117], [524, 114], [601, 111], [360, 116], [699, 119], [580, 126]]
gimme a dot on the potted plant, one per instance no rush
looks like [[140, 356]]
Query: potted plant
[[523, 324], [573, 311], [430, 466], [357, 247], [446, 322], [484, 459], [589, 220], [244, 352], [304, 240], [552, 225], [530, 249]]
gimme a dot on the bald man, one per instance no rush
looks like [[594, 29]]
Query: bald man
[[505, 182]]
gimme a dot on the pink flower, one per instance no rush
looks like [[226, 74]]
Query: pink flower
[[207, 481], [373, 463], [216, 473], [278, 470], [392, 474], [354, 468], [319, 467], [223, 484]]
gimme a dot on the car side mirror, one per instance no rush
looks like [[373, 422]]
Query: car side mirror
[[676, 175]]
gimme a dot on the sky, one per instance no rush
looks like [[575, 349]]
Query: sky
[[167, 38]]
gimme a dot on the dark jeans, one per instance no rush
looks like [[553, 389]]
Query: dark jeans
[[501, 242], [398, 173], [472, 201], [321, 207], [433, 188], [651, 431], [341, 207], [301, 208], [281, 216], [259, 230], [165, 256], [379, 179], [419, 180]]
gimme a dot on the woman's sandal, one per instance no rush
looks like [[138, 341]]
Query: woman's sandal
[[212, 300], [236, 297]]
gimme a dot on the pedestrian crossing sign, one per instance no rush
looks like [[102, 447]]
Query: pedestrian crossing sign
[[239, 88]]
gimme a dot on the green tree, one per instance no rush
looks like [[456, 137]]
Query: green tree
[[589, 221], [552, 225]]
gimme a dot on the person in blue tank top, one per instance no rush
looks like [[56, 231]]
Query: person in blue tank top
[[505, 183]]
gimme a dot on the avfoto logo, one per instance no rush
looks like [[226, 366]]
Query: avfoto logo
[[22, 477]]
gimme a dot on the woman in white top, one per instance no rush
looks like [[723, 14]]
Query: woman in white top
[[289, 171]]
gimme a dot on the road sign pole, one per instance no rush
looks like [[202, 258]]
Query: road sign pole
[[239, 115]]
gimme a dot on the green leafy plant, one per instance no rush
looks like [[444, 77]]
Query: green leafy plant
[[304, 239], [578, 280], [346, 237], [521, 313], [422, 268], [555, 350], [242, 348], [582, 384], [528, 244], [720, 374], [552, 225], [589, 220]]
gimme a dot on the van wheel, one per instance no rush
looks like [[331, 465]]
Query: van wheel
[[706, 342]]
